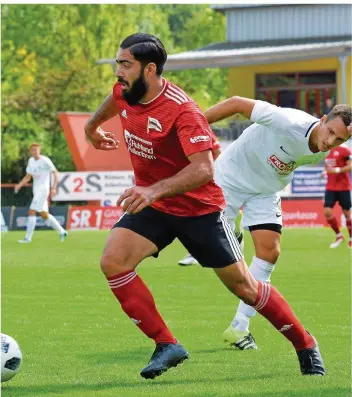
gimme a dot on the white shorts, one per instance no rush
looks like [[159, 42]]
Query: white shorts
[[40, 202], [257, 208]]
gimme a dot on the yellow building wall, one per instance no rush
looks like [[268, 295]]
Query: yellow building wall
[[242, 79]]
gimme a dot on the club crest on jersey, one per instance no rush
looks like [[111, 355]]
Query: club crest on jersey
[[280, 166], [154, 124]]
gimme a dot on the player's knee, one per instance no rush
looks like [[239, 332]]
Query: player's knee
[[44, 215], [112, 265], [327, 213], [269, 252], [275, 254]]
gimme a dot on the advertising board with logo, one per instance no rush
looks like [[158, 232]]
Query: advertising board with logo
[[307, 213], [307, 181], [91, 217], [20, 218], [6, 218], [97, 186]]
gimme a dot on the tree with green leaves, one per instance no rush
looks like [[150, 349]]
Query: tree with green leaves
[[49, 64]]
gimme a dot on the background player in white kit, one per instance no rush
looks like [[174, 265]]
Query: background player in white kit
[[40, 168], [257, 166]]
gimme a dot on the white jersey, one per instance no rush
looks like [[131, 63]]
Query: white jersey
[[263, 158], [40, 170]]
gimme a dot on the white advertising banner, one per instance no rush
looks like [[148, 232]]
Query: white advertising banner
[[100, 185]]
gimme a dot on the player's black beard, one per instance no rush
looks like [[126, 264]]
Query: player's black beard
[[138, 89]]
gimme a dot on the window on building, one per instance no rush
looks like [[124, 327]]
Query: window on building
[[313, 92]]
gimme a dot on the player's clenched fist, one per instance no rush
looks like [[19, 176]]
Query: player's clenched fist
[[136, 199]]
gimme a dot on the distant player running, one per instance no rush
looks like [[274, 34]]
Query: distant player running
[[40, 168], [338, 167], [257, 166]]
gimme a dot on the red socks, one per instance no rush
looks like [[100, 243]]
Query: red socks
[[137, 302], [334, 224], [272, 305]]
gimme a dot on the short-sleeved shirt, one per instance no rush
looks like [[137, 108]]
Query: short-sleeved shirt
[[263, 158], [215, 141], [338, 157], [160, 135], [40, 170]]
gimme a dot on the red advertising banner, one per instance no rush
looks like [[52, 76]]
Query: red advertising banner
[[307, 213], [295, 213], [91, 217]]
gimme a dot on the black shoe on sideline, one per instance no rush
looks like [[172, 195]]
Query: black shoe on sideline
[[165, 356]]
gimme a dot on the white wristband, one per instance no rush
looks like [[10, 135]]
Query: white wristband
[[337, 170]]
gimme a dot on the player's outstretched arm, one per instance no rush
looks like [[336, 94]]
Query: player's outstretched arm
[[101, 139], [197, 173], [229, 107], [24, 180]]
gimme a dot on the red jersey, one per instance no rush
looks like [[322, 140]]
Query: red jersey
[[159, 136], [214, 140], [338, 157]]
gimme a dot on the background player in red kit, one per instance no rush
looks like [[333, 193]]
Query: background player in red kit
[[175, 196], [338, 165]]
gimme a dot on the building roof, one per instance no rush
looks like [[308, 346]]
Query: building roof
[[227, 54], [228, 45], [226, 7]]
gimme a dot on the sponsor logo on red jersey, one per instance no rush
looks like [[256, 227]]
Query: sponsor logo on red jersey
[[138, 146], [280, 166], [200, 138]]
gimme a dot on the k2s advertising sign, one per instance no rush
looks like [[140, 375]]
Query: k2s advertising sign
[[100, 185]]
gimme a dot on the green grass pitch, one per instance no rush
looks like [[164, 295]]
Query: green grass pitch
[[77, 342]]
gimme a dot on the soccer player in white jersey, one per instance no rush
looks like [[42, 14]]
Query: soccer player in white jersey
[[257, 166], [40, 168]]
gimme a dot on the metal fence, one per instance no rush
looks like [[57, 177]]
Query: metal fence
[[232, 131], [9, 198]]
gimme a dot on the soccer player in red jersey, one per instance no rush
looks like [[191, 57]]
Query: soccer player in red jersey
[[175, 196], [338, 167]]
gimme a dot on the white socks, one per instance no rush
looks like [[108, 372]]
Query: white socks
[[52, 222], [32, 220], [261, 271]]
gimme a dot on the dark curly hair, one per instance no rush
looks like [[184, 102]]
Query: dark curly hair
[[146, 48]]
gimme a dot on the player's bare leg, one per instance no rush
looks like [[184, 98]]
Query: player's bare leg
[[124, 250], [332, 221], [267, 249], [348, 216], [52, 222], [266, 299], [32, 220]]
